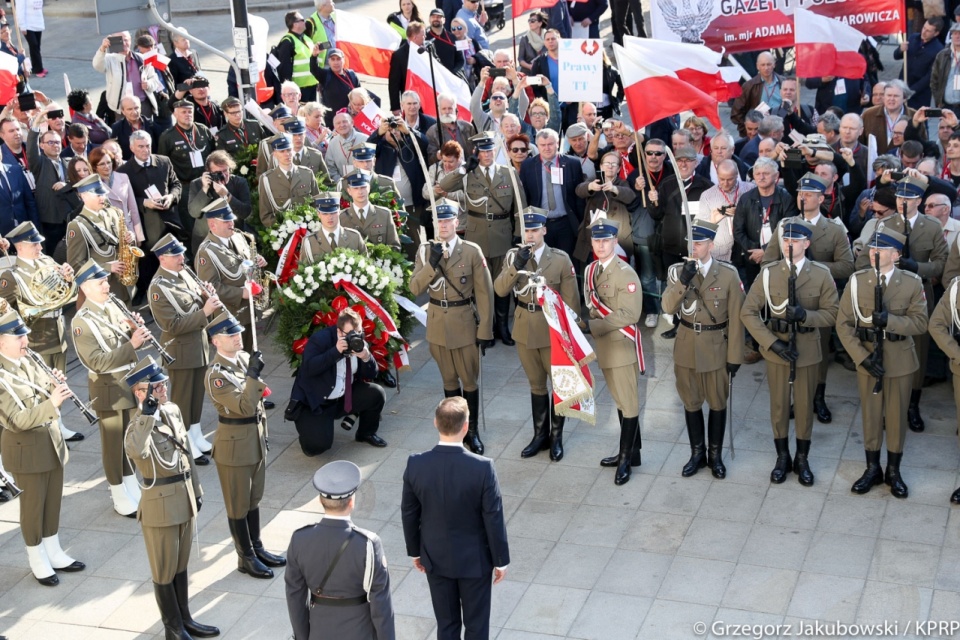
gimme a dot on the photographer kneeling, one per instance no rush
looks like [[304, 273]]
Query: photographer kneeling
[[217, 182], [330, 384]]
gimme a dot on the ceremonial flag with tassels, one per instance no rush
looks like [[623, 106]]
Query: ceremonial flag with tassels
[[570, 357]]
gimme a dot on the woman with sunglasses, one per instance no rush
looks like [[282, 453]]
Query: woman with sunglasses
[[119, 191], [518, 147], [458, 27], [612, 195], [530, 45], [400, 19]]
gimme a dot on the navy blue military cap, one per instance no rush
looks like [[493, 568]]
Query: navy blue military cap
[[703, 230], [364, 152], [484, 142], [218, 209], [911, 187], [224, 323], [147, 370], [280, 111], [603, 229], [90, 271], [886, 238], [796, 229], [446, 209], [168, 245], [337, 480], [25, 232], [812, 182], [359, 178], [328, 202], [534, 217], [11, 324], [295, 125], [281, 143], [91, 184]]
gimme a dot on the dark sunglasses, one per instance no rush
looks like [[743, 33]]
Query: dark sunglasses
[[497, 98], [456, 28], [656, 154], [518, 150]]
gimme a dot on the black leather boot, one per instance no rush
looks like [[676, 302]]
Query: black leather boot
[[784, 465], [169, 612], [628, 438], [698, 452], [541, 426], [898, 488], [955, 498], [717, 427], [872, 476], [611, 461], [801, 466], [913, 411], [472, 441], [247, 561], [820, 405], [456, 393], [193, 627], [556, 435], [501, 320], [267, 558]]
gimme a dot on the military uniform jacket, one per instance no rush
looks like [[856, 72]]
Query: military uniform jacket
[[720, 294], [31, 440], [312, 551], [618, 287], [927, 247], [311, 159], [829, 247], [816, 292], [221, 266], [279, 192], [376, 227], [488, 199], [318, 244], [46, 331], [236, 396], [235, 140], [952, 268], [530, 327], [101, 336], [178, 145], [905, 302], [148, 439], [98, 240], [944, 329], [464, 270], [177, 305]]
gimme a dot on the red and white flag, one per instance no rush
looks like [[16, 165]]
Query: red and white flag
[[522, 6], [827, 47], [156, 60], [570, 358], [693, 63], [418, 79], [8, 77], [367, 44], [653, 92]]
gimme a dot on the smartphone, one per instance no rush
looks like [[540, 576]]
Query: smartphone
[[496, 72], [27, 101], [53, 115], [325, 45], [116, 44], [896, 175], [533, 81], [933, 113]]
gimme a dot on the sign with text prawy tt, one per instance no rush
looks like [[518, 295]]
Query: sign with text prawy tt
[[581, 71]]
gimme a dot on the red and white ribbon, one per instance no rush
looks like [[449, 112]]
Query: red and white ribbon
[[376, 310], [631, 331]]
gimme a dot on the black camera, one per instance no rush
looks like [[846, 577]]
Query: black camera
[[896, 175], [496, 72], [794, 159], [355, 343], [393, 122], [218, 176], [728, 210], [598, 125]]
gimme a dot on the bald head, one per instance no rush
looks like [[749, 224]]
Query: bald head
[[727, 175], [765, 64]]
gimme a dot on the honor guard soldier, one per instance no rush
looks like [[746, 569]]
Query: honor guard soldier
[[614, 299], [220, 261], [106, 343], [884, 376], [33, 449], [234, 385], [364, 156], [157, 443], [491, 206], [18, 288], [707, 295], [830, 247], [265, 158], [239, 132], [336, 579], [945, 330], [93, 234], [460, 314], [374, 223], [181, 304], [785, 324], [924, 253], [286, 184], [332, 235], [303, 154], [530, 327]]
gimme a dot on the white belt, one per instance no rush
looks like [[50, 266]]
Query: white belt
[[53, 314], [126, 367]]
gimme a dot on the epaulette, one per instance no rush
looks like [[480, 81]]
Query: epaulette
[[912, 275], [369, 535]]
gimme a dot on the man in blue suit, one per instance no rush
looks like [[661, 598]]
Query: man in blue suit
[[453, 526], [550, 181], [332, 383], [16, 199]]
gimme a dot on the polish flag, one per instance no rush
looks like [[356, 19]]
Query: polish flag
[[693, 63], [8, 77], [418, 79], [654, 92], [366, 43], [156, 60], [827, 47], [522, 6]]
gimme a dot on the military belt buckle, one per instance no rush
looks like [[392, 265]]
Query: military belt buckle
[[697, 327], [443, 303], [489, 216], [532, 307]]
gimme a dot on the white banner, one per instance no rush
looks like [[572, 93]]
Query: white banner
[[581, 71]]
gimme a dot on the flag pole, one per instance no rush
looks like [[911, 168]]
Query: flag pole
[[513, 26], [907, 41], [683, 196], [643, 162]]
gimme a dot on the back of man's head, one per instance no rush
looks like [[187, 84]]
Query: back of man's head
[[451, 415]]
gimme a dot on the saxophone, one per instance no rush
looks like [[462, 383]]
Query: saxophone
[[258, 275], [127, 254]]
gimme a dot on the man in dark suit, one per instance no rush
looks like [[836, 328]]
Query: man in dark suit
[[549, 182], [331, 384], [453, 526], [50, 172], [16, 198], [133, 121]]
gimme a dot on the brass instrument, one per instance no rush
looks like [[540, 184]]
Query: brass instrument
[[7, 479], [127, 254], [152, 339], [258, 275], [48, 291], [84, 409]]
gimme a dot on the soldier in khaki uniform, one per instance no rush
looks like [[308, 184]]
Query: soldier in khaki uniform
[[182, 308], [332, 234], [33, 449], [771, 320], [614, 299], [364, 156], [46, 327], [945, 330], [491, 210], [303, 154], [530, 328], [286, 184], [93, 234], [280, 115], [707, 295], [374, 223], [830, 247], [157, 443], [904, 315], [460, 314], [106, 343], [925, 253], [240, 448]]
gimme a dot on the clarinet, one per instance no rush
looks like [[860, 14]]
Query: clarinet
[[152, 339], [84, 409]]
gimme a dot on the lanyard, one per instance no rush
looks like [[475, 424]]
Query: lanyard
[[206, 116], [442, 37], [891, 123], [736, 195], [240, 132], [345, 79], [626, 167], [768, 93], [192, 140]]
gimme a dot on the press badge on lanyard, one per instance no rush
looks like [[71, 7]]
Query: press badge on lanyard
[[196, 158], [556, 175]]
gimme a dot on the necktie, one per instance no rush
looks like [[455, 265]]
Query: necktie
[[883, 282], [59, 169], [551, 199], [333, 240], [533, 261], [297, 159], [348, 387]]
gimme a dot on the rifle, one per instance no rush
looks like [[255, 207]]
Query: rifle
[[877, 332], [792, 301]]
